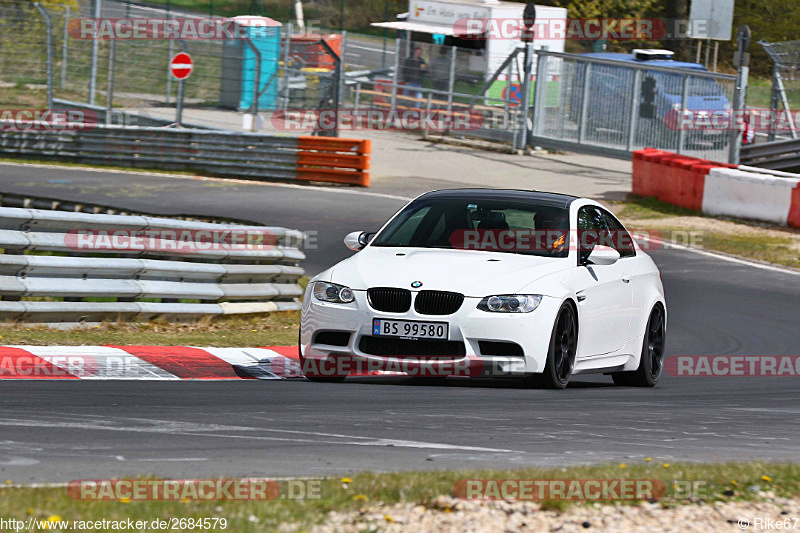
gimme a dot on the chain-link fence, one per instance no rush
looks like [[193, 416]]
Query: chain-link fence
[[614, 107], [23, 50], [580, 103], [299, 70], [449, 85], [223, 75]]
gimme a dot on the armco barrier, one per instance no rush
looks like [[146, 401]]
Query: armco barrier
[[221, 153], [717, 188], [332, 159], [255, 272]]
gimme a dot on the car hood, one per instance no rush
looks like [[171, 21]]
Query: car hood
[[470, 272]]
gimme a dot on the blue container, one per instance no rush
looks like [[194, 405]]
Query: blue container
[[239, 65], [268, 42]]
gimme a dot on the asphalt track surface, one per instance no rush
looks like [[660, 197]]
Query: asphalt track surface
[[58, 430]]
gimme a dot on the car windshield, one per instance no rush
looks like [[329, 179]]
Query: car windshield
[[499, 225], [698, 85]]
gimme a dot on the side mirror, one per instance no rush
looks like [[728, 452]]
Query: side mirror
[[358, 240], [603, 255]]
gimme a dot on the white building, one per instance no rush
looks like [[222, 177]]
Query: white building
[[464, 21]]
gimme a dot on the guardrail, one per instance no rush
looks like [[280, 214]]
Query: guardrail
[[221, 153], [102, 267], [123, 117], [776, 155], [28, 201]]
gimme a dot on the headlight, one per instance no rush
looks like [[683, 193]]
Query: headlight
[[510, 303], [330, 292]]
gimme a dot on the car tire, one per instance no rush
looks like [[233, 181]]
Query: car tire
[[310, 376], [561, 352], [651, 363]]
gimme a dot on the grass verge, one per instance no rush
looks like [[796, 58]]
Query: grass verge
[[718, 482], [274, 329], [749, 239]]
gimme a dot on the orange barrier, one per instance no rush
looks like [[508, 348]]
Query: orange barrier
[[333, 159], [673, 178], [794, 210], [309, 48]]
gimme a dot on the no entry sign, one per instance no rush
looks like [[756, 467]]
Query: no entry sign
[[181, 66]]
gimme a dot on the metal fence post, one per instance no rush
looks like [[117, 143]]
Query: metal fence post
[[507, 99], [539, 92], [287, 45], [428, 108], [395, 73], [340, 75], [169, 75], [64, 48], [740, 91], [687, 79], [179, 103], [110, 92], [385, 17], [451, 79], [587, 74], [93, 68], [634, 109], [526, 90], [49, 44]]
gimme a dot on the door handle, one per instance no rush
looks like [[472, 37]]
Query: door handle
[[626, 278]]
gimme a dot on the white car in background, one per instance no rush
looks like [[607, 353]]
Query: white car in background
[[502, 282]]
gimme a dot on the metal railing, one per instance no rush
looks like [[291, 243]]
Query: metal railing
[[612, 108], [176, 268], [222, 153], [776, 155]]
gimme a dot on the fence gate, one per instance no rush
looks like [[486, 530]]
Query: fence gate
[[612, 108]]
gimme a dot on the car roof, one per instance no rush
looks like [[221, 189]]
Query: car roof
[[543, 198], [615, 56]]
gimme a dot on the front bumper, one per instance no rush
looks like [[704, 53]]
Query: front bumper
[[476, 334]]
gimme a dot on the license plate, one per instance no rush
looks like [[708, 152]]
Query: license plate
[[408, 328]]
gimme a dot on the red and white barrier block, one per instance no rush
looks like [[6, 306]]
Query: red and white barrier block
[[717, 188], [148, 362]]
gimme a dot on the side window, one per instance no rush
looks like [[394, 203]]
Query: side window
[[592, 231], [622, 240]]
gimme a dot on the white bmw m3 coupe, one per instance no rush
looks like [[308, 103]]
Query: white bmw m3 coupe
[[486, 283]]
